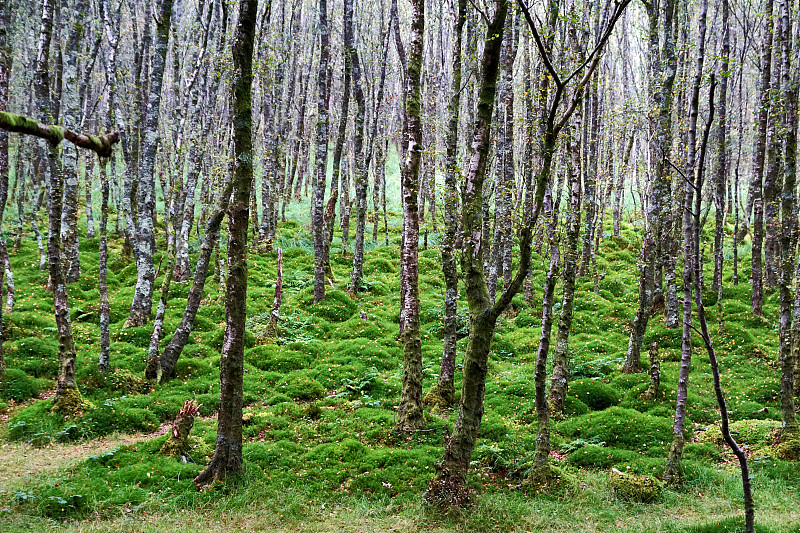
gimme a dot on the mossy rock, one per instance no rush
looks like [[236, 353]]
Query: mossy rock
[[748, 432], [644, 489], [594, 393]]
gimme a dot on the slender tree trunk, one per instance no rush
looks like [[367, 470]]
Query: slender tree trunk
[[558, 383], [409, 412], [321, 156], [674, 466], [361, 171], [443, 393], [102, 285], [227, 458], [146, 191], [720, 177], [757, 300], [210, 242]]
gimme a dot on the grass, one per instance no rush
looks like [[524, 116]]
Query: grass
[[320, 453]]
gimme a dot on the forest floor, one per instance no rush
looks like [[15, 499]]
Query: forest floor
[[321, 453]]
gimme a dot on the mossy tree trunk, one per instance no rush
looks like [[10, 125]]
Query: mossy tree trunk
[[788, 235], [443, 393], [409, 412], [756, 185], [227, 458], [658, 230], [5, 75]]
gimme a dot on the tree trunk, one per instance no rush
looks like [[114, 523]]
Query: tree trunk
[[210, 242], [674, 466], [409, 412], [321, 156], [443, 393], [720, 177], [788, 235], [658, 222], [558, 383], [144, 238], [102, 285], [361, 171], [757, 299], [227, 458]]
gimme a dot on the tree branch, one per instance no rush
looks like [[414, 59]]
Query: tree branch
[[102, 145]]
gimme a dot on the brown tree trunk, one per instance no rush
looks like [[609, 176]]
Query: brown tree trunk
[[227, 458]]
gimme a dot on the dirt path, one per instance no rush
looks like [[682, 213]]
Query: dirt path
[[20, 462]]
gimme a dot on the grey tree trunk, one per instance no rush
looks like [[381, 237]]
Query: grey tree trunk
[[674, 467], [144, 240], [321, 156], [361, 171]]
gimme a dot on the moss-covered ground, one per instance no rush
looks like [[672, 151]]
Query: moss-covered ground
[[320, 451]]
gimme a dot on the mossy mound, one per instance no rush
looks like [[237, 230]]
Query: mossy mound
[[336, 307], [644, 489], [18, 386], [623, 428], [594, 393], [35, 356]]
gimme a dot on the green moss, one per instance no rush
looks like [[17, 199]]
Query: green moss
[[594, 393], [623, 428], [18, 386], [644, 489]]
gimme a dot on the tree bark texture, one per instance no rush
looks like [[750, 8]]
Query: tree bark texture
[[228, 453]]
